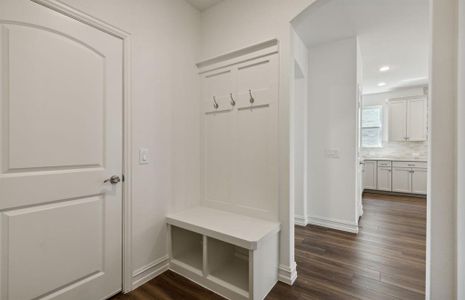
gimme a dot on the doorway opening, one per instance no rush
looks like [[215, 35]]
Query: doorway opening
[[365, 146]]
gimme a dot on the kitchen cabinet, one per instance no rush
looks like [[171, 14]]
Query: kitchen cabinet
[[408, 120], [419, 181], [369, 175], [401, 180], [409, 177], [384, 178]]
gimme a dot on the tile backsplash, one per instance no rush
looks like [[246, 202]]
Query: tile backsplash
[[414, 150]]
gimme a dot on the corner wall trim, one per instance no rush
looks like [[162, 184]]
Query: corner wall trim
[[150, 271], [287, 274], [333, 224], [300, 220]]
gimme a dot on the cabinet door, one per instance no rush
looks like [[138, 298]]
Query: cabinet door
[[416, 120], [397, 121], [419, 181], [401, 180], [384, 179], [369, 175]]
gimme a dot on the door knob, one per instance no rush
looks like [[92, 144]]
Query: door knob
[[113, 179]]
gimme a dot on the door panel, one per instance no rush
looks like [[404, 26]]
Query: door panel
[[32, 113], [61, 136], [369, 175], [416, 126], [419, 181], [397, 121], [384, 179], [401, 180]]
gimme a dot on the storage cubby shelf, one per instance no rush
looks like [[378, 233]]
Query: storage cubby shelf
[[235, 229], [233, 255]]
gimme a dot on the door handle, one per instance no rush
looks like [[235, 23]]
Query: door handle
[[113, 179]]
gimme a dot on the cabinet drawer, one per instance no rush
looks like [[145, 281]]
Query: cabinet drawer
[[409, 164], [384, 163]]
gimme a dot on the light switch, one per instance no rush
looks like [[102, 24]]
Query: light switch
[[143, 156], [332, 153]]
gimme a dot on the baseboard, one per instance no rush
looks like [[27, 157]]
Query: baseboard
[[287, 274], [150, 271], [333, 224], [300, 220]]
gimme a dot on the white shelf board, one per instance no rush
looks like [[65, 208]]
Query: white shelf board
[[239, 230], [233, 275], [192, 258]]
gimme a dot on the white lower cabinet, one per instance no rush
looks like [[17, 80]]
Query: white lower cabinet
[[401, 180], [419, 181], [395, 176], [369, 175], [384, 179]]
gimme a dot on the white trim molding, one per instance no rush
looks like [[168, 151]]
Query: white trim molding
[[85, 18], [334, 224], [287, 274], [150, 271], [301, 220]]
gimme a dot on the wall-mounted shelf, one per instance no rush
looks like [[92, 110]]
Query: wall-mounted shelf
[[234, 255]]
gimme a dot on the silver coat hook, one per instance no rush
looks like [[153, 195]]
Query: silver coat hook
[[232, 99], [252, 100], [215, 104]]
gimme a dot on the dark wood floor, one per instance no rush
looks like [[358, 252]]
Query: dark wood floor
[[386, 260]]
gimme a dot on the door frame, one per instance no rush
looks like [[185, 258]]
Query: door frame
[[127, 126]]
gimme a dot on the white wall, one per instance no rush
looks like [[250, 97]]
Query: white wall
[[234, 24], [461, 160], [332, 111], [394, 149], [442, 199], [165, 112], [298, 175]]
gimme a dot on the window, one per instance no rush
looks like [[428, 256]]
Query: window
[[372, 127]]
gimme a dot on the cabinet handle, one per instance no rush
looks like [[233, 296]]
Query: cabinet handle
[[215, 104]]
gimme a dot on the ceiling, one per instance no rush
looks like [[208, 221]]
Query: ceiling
[[390, 32], [202, 5]]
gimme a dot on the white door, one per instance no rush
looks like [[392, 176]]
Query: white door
[[61, 137], [416, 120], [397, 121], [401, 180], [384, 179], [419, 181], [369, 175]]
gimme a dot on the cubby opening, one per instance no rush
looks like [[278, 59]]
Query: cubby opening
[[187, 248], [228, 265]]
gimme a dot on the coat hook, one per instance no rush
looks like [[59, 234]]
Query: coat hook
[[232, 99], [215, 104], [252, 100]]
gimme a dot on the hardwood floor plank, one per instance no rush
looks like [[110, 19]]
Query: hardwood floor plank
[[385, 261]]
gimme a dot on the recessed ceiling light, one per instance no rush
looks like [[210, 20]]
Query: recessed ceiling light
[[384, 68], [382, 84]]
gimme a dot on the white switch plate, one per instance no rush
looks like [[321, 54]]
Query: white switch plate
[[332, 153], [143, 156]]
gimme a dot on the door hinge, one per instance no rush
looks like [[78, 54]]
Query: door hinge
[[123, 178]]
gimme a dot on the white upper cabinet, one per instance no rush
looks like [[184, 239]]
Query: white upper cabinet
[[408, 120], [416, 120], [397, 121]]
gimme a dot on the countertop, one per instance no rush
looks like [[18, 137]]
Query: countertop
[[418, 159]]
